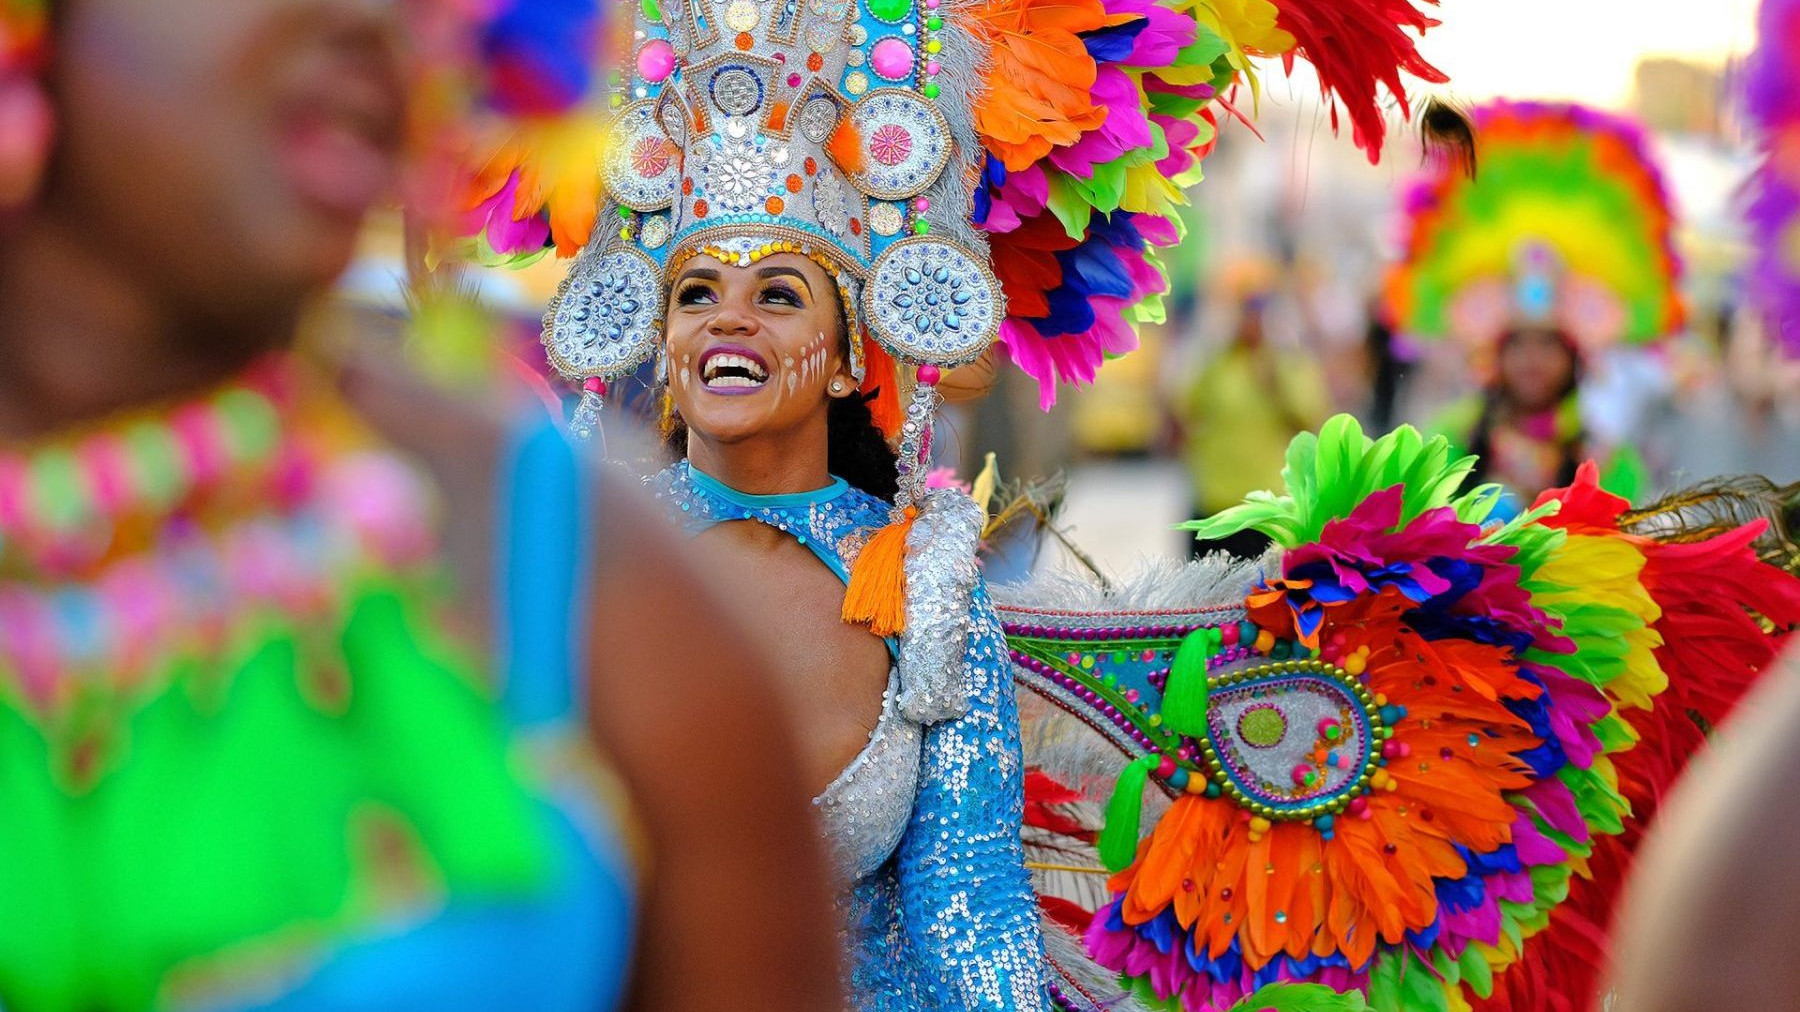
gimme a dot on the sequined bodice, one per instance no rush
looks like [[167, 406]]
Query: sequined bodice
[[866, 809], [936, 907]]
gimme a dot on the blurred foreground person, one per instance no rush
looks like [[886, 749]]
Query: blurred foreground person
[[250, 606], [1558, 249], [1713, 917]]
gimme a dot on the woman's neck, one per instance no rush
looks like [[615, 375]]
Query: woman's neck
[[82, 335], [763, 466]]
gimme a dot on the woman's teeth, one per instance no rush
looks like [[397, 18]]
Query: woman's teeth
[[733, 371]]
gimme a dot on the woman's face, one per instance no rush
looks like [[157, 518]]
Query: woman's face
[[755, 351], [1537, 369], [228, 150]]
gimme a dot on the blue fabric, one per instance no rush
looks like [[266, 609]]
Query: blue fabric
[[541, 593], [949, 923]]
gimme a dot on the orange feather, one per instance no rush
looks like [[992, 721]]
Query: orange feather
[[846, 148]]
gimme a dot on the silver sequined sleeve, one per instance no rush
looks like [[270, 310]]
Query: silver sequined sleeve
[[966, 897]]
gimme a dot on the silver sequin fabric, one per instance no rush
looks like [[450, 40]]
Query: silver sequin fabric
[[865, 811], [944, 921]]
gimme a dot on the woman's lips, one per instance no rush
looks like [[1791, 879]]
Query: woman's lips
[[340, 133], [332, 164]]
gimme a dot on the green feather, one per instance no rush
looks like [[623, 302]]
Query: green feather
[[1301, 998]]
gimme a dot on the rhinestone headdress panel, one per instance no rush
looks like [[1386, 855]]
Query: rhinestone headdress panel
[[814, 125]]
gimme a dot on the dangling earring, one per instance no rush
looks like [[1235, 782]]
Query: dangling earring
[[25, 145]]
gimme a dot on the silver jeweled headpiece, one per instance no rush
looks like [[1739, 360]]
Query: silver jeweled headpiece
[[838, 130]]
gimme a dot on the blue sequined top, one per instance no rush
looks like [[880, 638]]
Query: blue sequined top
[[946, 921]]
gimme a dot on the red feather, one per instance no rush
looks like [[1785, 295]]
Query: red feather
[[1357, 46], [1714, 651]]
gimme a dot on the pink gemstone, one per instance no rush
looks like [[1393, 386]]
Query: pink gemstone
[[1301, 772], [892, 58], [929, 375], [793, 80], [922, 205], [656, 61], [595, 385], [933, 68]]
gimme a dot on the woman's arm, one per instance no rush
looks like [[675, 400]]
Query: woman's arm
[[967, 897], [735, 908]]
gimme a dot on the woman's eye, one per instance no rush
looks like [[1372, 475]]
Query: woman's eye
[[695, 295], [782, 296]]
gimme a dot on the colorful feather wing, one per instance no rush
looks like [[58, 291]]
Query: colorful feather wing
[[1410, 758], [532, 174]]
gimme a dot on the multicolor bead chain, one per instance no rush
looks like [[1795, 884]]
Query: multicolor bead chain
[[72, 502]]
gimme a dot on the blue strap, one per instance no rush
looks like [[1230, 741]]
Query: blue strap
[[544, 552]]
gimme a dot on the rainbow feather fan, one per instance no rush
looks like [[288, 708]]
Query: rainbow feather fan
[[1405, 758], [1574, 186], [1098, 114], [1772, 94]]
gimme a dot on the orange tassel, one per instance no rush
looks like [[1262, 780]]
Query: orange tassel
[[845, 147], [876, 596], [882, 379]]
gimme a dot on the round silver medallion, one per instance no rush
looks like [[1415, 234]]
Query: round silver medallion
[[818, 118], [643, 167], [737, 91], [605, 323], [906, 143], [933, 301]]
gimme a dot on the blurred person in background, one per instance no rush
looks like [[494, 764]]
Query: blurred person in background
[[1525, 426], [323, 692], [1242, 407], [1541, 271]]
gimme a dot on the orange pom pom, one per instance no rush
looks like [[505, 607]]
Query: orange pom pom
[[876, 596]]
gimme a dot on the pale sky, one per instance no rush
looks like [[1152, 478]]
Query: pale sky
[[1580, 50]]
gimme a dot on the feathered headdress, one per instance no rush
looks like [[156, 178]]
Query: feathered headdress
[[1567, 226], [969, 171], [1050, 139], [1772, 93]]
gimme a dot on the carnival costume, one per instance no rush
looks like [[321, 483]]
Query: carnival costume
[[1407, 756], [1567, 227], [246, 764], [969, 173]]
